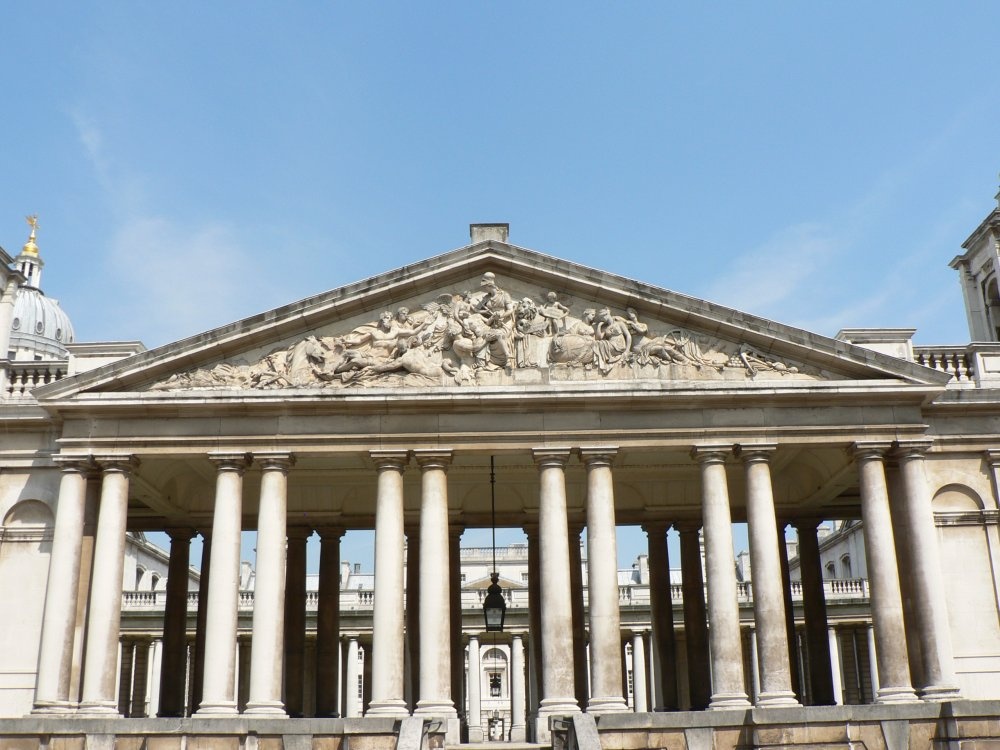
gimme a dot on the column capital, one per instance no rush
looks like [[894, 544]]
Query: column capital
[[656, 527], [992, 457], [711, 453], [118, 463], [298, 532], [755, 452], [330, 533], [687, 525], [74, 463], [807, 524], [550, 456], [275, 460], [598, 456], [869, 449], [910, 449], [231, 461], [395, 460], [433, 458], [180, 533]]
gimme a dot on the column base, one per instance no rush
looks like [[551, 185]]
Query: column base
[[518, 733], [443, 708], [222, 708], [903, 694], [777, 699], [95, 708], [937, 693], [607, 705], [557, 707], [393, 707], [266, 708], [475, 733], [728, 700], [53, 707]]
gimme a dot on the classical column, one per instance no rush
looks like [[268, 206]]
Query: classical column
[[581, 660], [328, 624], [411, 656], [768, 594], [435, 602], [924, 571], [61, 595], [174, 650], [695, 621], [295, 620], [352, 704], [126, 660], [140, 677], [155, 667], [723, 607], [557, 608], [791, 634], [455, 591], [201, 623], [872, 659], [814, 609], [838, 682], [475, 691], [387, 619], [662, 616], [517, 716], [91, 505], [883, 578], [754, 666], [106, 587], [602, 575], [266, 656], [219, 682], [534, 619], [639, 674]]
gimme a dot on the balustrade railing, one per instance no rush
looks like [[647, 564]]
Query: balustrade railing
[[957, 361], [23, 377]]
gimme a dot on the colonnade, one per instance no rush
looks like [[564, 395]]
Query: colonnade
[[912, 643]]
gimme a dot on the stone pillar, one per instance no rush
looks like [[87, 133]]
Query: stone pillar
[[106, 587], [768, 593], [791, 634], [924, 571], [55, 655], [92, 503], [695, 621], [814, 609], [352, 704], [661, 610], [155, 668], [517, 715], [219, 686], [140, 678], [387, 619], [872, 663], [602, 574], [269, 642], [295, 621], [201, 624], [581, 651], [838, 682], [455, 639], [7, 299], [723, 607], [411, 655], [754, 667], [639, 674], [174, 650], [534, 620], [126, 660], [557, 607], [328, 624], [435, 601], [475, 691], [883, 578]]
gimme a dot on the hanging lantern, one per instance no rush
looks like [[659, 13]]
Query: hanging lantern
[[494, 606]]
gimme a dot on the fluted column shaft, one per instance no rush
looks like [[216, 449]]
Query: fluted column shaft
[[557, 608], [768, 594], [930, 608], [219, 681], [106, 587], [267, 654], [814, 609], [723, 609], [435, 601], [517, 692], [61, 595], [602, 574], [328, 624], [387, 619], [174, 648], [883, 579], [695, 620]]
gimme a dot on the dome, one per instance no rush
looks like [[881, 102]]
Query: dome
[[40, 329]]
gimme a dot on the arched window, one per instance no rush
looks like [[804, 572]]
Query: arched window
[[139, 573], [154, 581], [831, 569], [845, 566]]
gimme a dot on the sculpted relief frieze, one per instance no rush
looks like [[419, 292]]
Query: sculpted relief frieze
[[487, 337]]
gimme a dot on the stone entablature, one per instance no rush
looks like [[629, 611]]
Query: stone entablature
[[488, 337]]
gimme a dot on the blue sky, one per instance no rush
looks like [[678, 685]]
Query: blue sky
[[193, 163]]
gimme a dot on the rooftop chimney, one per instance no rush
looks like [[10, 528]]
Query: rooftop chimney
[[484, 232]]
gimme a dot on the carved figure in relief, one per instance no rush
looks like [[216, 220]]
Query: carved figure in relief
[[459, 338]]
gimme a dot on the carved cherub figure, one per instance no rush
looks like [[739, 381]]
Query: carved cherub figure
[[555, 312]]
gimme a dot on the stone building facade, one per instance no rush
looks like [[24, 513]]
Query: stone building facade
[[601, 401]]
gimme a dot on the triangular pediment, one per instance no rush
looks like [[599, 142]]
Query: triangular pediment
[[490, 314]]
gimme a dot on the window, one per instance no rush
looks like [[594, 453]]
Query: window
[[495, 684], [845, 566], [831, 570]]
